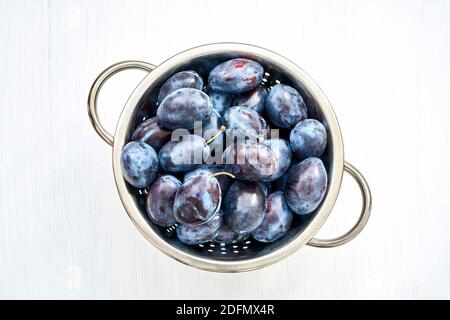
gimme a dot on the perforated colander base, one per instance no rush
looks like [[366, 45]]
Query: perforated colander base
[[248, 248]]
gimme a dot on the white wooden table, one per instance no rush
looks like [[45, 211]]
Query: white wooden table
[[383, 64]]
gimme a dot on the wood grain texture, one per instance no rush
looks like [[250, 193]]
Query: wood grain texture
[[383, 64]]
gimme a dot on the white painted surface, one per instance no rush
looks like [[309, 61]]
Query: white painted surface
[[383, 64]]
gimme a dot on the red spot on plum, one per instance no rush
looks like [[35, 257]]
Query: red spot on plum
[[238, 64], [252, 79]]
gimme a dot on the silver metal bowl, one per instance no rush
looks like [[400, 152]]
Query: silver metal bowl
[[249, 255]]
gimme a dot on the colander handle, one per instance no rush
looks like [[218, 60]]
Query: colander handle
[[363, 218], [98, 84]]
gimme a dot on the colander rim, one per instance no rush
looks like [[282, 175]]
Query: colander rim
[[212, 264]]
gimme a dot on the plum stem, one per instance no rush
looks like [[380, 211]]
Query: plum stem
[[222, 173], [221, 130]]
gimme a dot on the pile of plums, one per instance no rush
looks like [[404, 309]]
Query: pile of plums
[[212, 164]]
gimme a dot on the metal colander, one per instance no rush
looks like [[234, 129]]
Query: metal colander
[[248, 254]]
